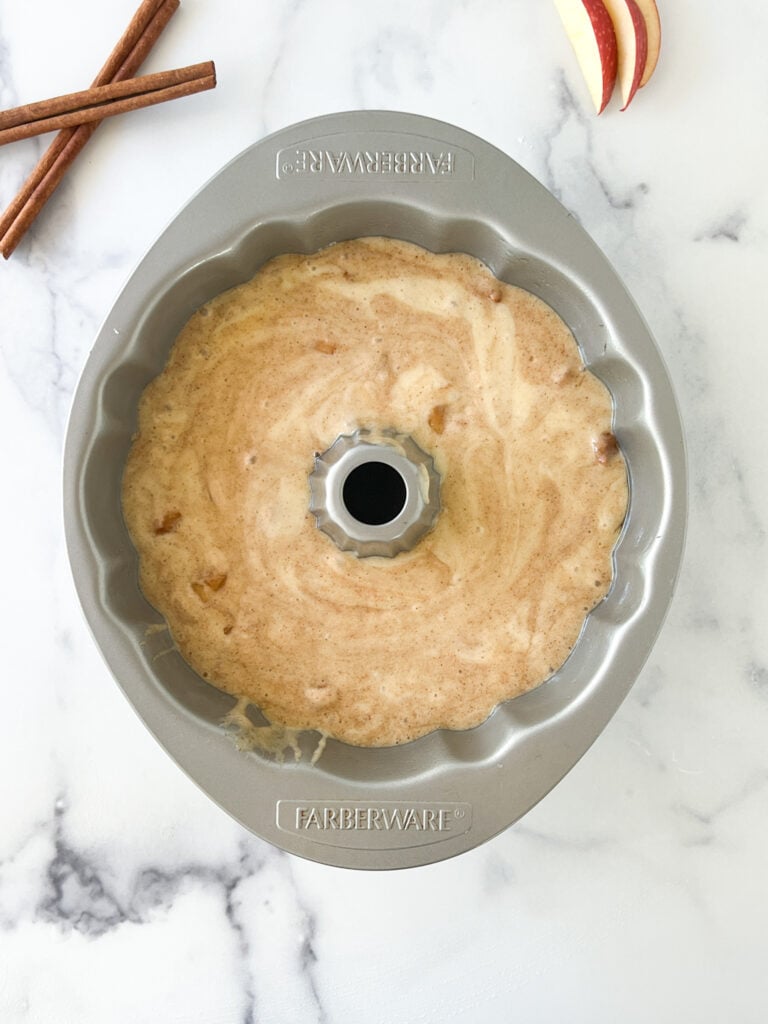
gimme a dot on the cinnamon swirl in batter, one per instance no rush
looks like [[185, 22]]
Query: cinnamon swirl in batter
[[382, 335]]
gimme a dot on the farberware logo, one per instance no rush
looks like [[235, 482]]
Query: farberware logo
[[421, 819], [438, 162], [385, 825]]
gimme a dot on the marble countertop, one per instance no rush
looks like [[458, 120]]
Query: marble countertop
[[637, 890]]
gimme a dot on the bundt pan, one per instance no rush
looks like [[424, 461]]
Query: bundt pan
[[333, 178]]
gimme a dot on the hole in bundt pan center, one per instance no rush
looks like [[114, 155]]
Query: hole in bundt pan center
[[374, 493]]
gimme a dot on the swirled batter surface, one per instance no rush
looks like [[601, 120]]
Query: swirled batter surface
[[378, 334]]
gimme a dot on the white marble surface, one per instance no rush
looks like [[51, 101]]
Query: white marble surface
[[637, 891]]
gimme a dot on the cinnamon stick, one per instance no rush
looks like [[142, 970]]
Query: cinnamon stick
[[124, 61], [104, 101]]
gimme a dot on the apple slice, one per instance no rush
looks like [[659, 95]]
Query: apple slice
[[650, 13], [632, 42], [589, 27]]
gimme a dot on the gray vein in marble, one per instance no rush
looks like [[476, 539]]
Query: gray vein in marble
[[11, 173], [308, 955], [155, 887], [235, 924], [751, 786], [8, 92], [718, 481], [29, 359], [757, 676], [42, 358], [579, 185], [396, 59], [247, 866], [9, 918], [498, 872], [76, 894], [15, 165], [581, 843], [713, 467], [754, 529], [729, 229], [568, 110], [381, 58], [159, 888], [651, 684]]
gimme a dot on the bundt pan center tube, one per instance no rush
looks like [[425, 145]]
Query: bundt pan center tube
[[374, 495], [340, 177]]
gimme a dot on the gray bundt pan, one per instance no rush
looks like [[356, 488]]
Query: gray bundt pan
[[332, 178]]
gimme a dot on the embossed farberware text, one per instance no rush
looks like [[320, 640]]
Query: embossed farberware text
[[374, 824], [434, 162]]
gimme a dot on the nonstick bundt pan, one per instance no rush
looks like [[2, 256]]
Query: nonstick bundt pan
[[333, 178]]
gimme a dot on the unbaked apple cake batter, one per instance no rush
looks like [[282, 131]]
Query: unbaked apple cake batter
[[382, 335]]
